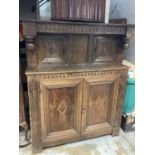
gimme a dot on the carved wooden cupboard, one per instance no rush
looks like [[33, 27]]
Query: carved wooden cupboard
[[75, 79]]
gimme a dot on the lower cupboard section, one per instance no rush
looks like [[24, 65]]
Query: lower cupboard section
[[64, 110]]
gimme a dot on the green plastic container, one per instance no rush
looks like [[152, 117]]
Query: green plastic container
[[129, 99]]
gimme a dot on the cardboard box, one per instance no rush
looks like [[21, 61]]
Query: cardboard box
[[128, 122]]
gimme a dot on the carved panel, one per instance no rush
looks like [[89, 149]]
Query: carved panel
[[51, 50], [104, 49], [61, 106], [99, 104]]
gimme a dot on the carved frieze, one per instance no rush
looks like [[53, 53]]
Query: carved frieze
[[34, 27], [79, 28], [76, 75]]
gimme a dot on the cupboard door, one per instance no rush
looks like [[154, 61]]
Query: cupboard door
[[60, 111], [51, 50], [99, 105], [104, 49]]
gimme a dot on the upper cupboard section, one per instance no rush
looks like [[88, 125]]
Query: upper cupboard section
[[61, 50]]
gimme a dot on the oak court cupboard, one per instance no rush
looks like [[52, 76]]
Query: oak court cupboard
[[75, 79]]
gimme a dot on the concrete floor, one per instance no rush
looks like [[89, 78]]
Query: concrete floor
[[124, 144]]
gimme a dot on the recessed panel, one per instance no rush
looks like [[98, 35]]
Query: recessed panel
[[61, 109], [51, 50], [98, 103], [104, 50]]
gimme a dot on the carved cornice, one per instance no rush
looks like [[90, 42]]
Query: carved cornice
[[34, 27]]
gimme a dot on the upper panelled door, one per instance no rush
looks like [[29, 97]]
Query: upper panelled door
[[99, 104], [51, 50], [60, 111], [104, 49]]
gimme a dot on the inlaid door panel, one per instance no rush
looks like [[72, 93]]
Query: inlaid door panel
[[60, 110], [104, 49], [51, 49], [99, 104]]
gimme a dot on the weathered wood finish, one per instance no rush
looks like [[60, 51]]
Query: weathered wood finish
[[35, 118], [60, 109], [73, 106], [76, 80]]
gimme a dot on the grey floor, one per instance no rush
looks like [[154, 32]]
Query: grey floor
[[124, 144]]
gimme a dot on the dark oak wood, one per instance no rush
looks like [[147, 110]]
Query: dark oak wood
[[32, 27], [71, 43], [60, 109], [76, 80]]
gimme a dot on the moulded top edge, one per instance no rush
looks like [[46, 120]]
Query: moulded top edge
[[76, 23]]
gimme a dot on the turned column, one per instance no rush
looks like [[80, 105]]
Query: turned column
[[129, 34], [31, 51]]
